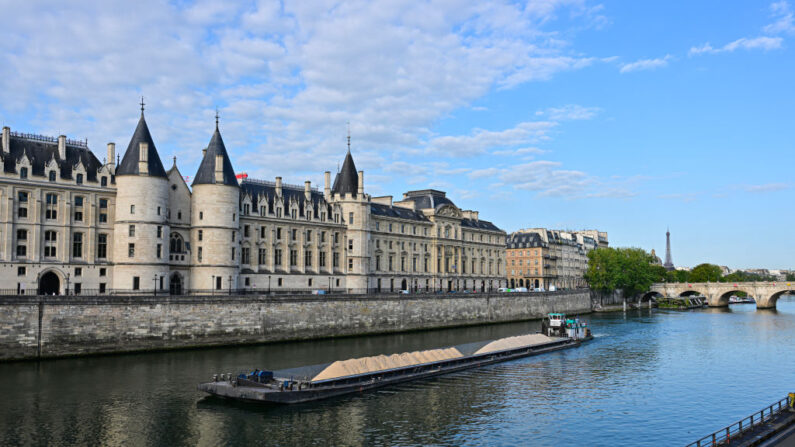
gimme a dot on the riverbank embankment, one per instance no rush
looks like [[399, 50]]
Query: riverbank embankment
[[50, 327]]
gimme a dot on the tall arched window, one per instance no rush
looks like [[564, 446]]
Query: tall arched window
[[176, 244]]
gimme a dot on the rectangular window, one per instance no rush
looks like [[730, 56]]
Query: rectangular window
[[377, 226], [131, 231], [322, 259], [336, 238], [233, 254], [201, 233], [158, 213], [309, 235], [77, 246], [159, 250], [22, 235], [245, 254], [378, 263], [335, 260], [350, 218], [322, 236], [78, 288], [136, 283], [199, 254], [131, 250], [262, 258], [132, 209], [201, 215], [103, 271], [293, 258], [159, 231], [103, 210], [52, 207], [350, 264], [350, 244], [233, 236], [78, 216], [50, 239], [104, 181], [102, 246], [102, 284], [277, 257], [307, 259], [294, 235], [278, 234], [245, 231], [262, 232], [22, 250], [21, 271], [22, 211]]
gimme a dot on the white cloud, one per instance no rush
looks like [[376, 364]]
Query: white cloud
[[480, 141], [570, 112], [767, 187], [757, 43], [784, 20], [646, 64]]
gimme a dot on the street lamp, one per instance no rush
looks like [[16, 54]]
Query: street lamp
[[154, 286], [269, 284], [67, 283], [329, 284], [230, 284], [212, 285]]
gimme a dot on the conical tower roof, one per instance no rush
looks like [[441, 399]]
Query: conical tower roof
[[129, 164], [347, 180], [206, 173]]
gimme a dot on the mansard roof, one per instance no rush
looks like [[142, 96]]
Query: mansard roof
[[428, 198], [129, 163], [206, 172], [479, 224], [525, 240], [40, 150], [347, 180], [378, 209], [260, 188]]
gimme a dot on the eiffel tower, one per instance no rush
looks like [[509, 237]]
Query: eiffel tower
[[669, 263]]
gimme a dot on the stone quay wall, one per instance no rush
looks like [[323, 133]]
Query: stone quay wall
[[48, 327]]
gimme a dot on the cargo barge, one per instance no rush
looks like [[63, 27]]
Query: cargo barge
[[310, 383]]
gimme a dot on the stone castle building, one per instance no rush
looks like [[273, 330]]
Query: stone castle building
[[74, 224]]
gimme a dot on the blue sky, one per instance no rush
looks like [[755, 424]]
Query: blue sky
[[629, 117]]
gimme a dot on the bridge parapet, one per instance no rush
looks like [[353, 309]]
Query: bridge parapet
[[766, 294]]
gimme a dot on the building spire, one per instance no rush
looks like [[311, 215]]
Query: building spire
[[142, 106], [216, 117], [349, 137]]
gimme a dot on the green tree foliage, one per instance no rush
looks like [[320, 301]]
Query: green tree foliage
[[631, 270], [705, 272]]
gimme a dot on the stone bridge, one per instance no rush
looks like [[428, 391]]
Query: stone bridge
[[765, 293]]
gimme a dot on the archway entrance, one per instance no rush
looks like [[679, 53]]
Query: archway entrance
[[49, 284], [175, 284]]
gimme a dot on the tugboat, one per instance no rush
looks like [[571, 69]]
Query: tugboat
[[315, 382]]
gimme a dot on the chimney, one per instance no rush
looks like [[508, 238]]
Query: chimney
[[326, 188], [308, 190], [278, 186], [62, 147], [143, 156], [219, 168], [6, 139], [112, 154], [361, 183]]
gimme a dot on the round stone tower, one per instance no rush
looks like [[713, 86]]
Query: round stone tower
[[141, 231], [215, 221]]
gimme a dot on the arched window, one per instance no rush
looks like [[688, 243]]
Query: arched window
[[52, 176], [79, 179], [176, 244]]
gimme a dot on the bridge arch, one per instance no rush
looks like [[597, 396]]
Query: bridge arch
[[770, 302], [723, 298], [692, 292], [650, 296]]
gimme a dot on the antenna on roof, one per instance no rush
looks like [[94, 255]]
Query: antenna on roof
[[349, 137], [142, 106]]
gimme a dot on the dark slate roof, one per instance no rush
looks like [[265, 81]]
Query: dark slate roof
[[206, 172], [129, 164], [525, 240], [258, 189], [479, 224], [347, 180], [428, 198], [378, 209], [40, 152]]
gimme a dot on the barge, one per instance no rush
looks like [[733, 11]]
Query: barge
[[315, 382]]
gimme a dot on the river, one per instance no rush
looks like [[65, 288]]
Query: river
[[650, 378]]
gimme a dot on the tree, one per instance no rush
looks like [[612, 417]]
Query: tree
[[631, 270], [705, 272]]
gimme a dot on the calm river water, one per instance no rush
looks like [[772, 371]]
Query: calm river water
[[650, 378]]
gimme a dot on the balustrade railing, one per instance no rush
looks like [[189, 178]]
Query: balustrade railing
[[725, 435]]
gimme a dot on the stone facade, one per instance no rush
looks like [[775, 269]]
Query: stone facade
[[42, 327], [72, 224]]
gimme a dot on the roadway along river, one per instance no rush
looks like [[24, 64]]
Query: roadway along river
[[650, 378]]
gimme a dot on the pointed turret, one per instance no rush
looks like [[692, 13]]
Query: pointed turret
[[347, 180], [136, 163], [216, 168]]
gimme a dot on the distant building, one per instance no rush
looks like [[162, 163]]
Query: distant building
[[669, 263]]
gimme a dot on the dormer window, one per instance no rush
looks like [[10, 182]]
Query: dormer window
[[52, 176], [79, 179], [23, 172], [103, 181]]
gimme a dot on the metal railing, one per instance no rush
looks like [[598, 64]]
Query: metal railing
[[46, 139], [725, 435]]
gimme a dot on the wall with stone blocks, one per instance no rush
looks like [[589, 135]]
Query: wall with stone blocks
[[55, 327]]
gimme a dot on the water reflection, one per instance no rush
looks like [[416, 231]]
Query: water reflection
[[630, 385]]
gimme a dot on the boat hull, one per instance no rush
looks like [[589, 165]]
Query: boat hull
[[244, 390]]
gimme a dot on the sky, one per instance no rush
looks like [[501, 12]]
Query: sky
[[628, 117]]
